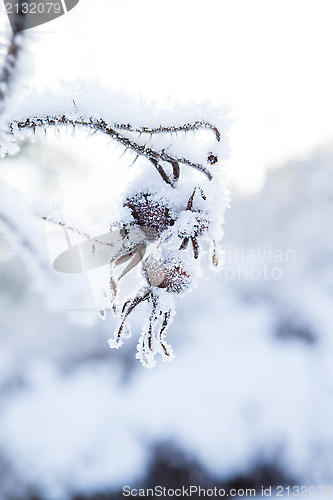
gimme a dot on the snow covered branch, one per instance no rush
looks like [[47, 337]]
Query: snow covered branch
[[99, 125], [171, 129], [182, 209]]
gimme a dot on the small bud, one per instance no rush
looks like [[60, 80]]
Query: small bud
[[215, 259], [212, 159]]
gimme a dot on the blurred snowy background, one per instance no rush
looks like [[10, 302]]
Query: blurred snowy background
[[248, 400]]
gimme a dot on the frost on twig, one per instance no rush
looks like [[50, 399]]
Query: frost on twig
[[184, 213], [177, 199], [99, 125], [172, 268], [171, 129]]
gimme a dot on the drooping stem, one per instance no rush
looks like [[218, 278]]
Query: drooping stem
[[99, 125], [144, 294]]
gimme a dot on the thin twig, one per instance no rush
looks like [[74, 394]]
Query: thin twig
[[8, 69], [64, 226], [171, 128], [101, 126]]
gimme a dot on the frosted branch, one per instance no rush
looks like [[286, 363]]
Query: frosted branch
[[99, 125], [171, 129]]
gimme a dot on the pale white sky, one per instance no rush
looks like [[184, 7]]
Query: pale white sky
[[271, 61]]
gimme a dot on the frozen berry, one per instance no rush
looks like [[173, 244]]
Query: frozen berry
[[148, 212], [166, 271]]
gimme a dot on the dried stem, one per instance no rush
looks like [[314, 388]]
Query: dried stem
[[99, 125], [171, 129], [64, 226], [128, 307]]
